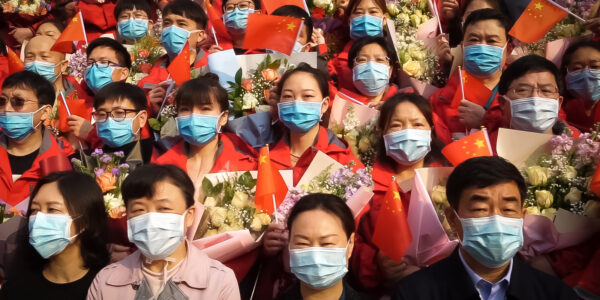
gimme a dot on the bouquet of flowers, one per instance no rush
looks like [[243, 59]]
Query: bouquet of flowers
[[342, 182], [164, 123], [6, 215], [77, 64], [26, 7], [230, 206], [321, 8], [248, 93], [415, 58], [109, 172], [361, 138], [146, 51], [561, 178]]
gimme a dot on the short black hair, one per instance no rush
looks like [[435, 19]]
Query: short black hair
[[482, 172], [202, 90], [121, 91], [296, 12], [142, 182], [487, 14], [123, 57], [328, 203], [187, 9], [317, 74], [43, 89], [60, 26], [85, 203], [525, 64], [130, 5], [256, 4]]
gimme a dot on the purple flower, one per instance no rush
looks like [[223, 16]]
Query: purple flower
[[75, 161], [105, 158], [97, 152], [99, 172], [115, 171], [119, 154], [123, 166]]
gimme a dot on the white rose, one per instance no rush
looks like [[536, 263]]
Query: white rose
[[533, 210], [438, 194], [210, 202], [265, 219], [393, 9], [404, 17], [364, 144], [544, 198], [322, 3], [574, 195], [256, 224], [240, 200], [537, 175], [217, 215], [249, 101], [111, 202], [569, 174], [549, 213], [412, 68]]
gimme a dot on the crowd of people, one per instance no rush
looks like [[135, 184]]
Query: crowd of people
[[64, 245]]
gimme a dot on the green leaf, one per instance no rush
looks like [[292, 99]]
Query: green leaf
[[247, 180], [218, 188], [238, 76], [275, 65], [207, 187], [154, 124]]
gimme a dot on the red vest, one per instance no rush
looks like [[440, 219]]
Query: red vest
[[98, 18]]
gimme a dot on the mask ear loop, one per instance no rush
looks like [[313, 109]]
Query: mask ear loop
[[218, 125], [33, 115], [135, 133]]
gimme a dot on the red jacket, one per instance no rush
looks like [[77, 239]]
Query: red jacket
[[338, 67], [576, 114], [13, 193], [234, 155], [327, 142], [3, 69], [98, 18]]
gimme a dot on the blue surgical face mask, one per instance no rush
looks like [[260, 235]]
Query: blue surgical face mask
[[46, 69], [173, 38], [299, 116], [407, 146], [534, 114], [98, 77], [483, 60], [492, 241], [297, 47], [116, 133], [50, 234], [18, 125], [371, 78], [198, 129], [237, 20], [585, 84], [157, 235], [366, 25], [133, 28], [319, 267]]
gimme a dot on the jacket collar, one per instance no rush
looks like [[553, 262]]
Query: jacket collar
[[460, 284], [194, 270]]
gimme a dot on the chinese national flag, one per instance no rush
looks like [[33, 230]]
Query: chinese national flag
[[74, 32], [75, 107], [179, 68], [536, 20], [268, 183], [474, 145], [475, 91], [215, 17], [271, 5], [392, 234], [272, 32], [15, 64]]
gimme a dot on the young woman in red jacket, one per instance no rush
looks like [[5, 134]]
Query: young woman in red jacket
[[409, 142]]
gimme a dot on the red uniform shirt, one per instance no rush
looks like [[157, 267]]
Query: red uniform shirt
[[338, 67], [577, 114], [98, 18]]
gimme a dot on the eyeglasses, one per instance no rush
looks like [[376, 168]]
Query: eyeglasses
[[524, 91], [378, 59], [117, 114], [17, 103], [241, 6], [102, 64]]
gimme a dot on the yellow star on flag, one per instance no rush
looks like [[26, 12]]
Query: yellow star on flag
[[479, 143], [539, 6], [291, 26], [396, 196], [263, 159], [75, 19]]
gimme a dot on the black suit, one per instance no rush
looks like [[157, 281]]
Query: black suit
[[448, 279]]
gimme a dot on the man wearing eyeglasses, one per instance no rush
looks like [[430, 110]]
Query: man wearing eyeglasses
[[25, 104], [235, 17]]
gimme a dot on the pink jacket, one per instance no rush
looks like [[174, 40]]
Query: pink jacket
[[199, 277]]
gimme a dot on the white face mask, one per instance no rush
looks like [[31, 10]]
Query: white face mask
[[534, 114], [157, 235]]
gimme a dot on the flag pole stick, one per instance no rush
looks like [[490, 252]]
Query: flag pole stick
[[567, 11], [437, 15], [83, 27], [462, 86], [215, 35]]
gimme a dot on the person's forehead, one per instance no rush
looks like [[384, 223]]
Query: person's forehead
[[48, 27], [19, 91], [104, 52], [118, 103], [536, 78], [39, 43], [490, 26]]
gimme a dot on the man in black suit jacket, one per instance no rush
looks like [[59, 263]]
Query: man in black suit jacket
[[485, 196]]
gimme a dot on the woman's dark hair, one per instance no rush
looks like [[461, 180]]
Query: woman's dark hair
[[119, 91], [524, 65], [354, 3], [387, 112], [568, 56], [296, 12], [60, 26], [481, 172], [187, 9], [130, 5], [142, 182], [202, 91], [84, 201], [328, 203], [357, 45], [42, 88], [123, 57], [317, 74]]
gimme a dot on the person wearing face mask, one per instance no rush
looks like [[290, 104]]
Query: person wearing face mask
[[235, 18], [485, 43], [133, 20], [321, 228], [365, 18], [183, 21], [66, 240], [160, 207], [25, 104], [373, 63], [486, 210], [581, 72], [408, 142], [530, 98]]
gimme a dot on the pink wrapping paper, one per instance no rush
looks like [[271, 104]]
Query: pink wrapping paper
[[427, 33], [430, 241], [359, 200], [227, 245], [340, 108]]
